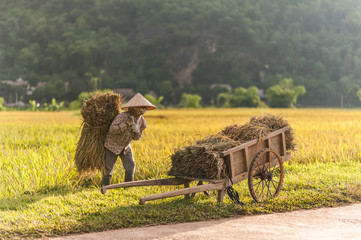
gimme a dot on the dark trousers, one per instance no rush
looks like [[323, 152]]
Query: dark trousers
[[111, 159]]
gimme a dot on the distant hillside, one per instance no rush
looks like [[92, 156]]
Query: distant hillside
[[176, 46]]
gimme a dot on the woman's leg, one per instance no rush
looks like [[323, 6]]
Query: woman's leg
[[128, 164], [110, 160]]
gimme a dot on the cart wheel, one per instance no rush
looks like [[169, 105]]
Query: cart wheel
[[265, 175]]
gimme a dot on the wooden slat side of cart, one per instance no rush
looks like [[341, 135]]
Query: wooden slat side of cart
[[247, 160], [240, 157]]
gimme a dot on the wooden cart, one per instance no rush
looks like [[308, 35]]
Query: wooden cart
[[259, 161]]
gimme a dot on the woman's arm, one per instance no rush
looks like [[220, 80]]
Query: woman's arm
[[138, 131], [119, 124]]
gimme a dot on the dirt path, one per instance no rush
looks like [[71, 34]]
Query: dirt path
[[324, 223]]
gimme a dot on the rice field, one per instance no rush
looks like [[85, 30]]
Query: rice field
[[37, 148], [37, 151]]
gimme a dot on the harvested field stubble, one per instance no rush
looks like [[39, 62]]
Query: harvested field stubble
[[202, 159]]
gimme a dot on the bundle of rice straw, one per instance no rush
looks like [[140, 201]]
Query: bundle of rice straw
[[202, 159], [258, 127], [98, 113]]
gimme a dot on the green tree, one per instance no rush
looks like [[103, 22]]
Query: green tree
[[95, 82], [241, 98], [155, 101], [2, 108], [93, 44], [359, 94], [33, 105], [55, 106], [54, 88], [190, 100], [11, 93], [284, 94]]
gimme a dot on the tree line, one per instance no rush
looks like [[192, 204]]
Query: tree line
[[174, 47]]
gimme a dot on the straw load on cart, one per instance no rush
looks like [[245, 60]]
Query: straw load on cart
[[203, 159], [98, 113]]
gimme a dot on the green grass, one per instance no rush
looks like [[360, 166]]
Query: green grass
[[54, 212], [42, 196]]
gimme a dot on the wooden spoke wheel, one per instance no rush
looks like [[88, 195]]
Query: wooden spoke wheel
[[265, 175]]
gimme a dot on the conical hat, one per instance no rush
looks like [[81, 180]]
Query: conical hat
[[138, 101]]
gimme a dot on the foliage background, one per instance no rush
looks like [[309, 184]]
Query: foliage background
[[172, 47]]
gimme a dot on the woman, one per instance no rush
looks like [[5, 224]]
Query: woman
[[126, 126]]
